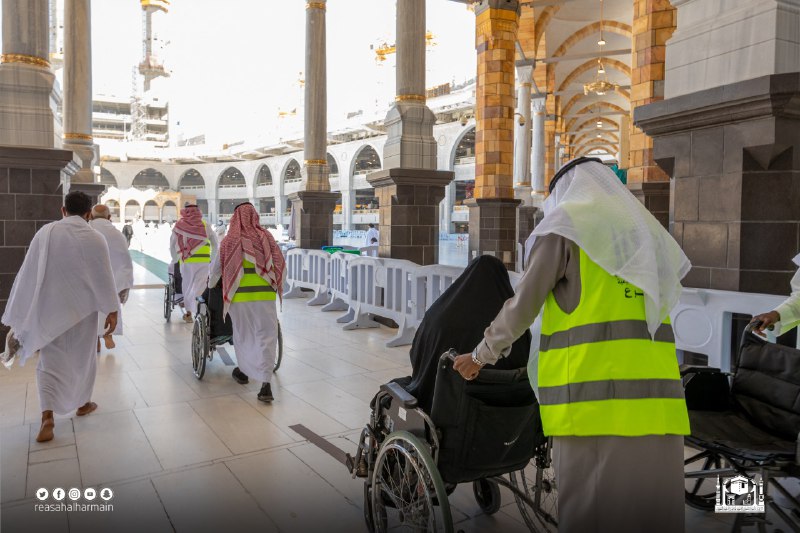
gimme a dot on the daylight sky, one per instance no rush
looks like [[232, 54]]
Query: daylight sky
[[235, 63]]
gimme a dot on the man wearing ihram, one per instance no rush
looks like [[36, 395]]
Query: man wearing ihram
[[606, 275]]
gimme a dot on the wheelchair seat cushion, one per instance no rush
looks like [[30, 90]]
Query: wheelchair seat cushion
[[766, 386], [733, 434]]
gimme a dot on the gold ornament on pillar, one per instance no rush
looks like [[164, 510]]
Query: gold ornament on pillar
[[26, 59]]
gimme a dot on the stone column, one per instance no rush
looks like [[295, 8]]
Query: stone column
[[409, 188], [348, 197], [624, 141], [653, 24], [537, 153], [78, 94], [493, 211], [27, 102], [315, 204], [30, 196], [446, 208], [522, 134], [730, 141]]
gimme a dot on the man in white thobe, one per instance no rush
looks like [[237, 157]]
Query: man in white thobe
[[121, 266], [64, 284], [372, 234], [194, 244]]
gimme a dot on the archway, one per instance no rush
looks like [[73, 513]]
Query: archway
[[264, 177], [113, 209], [334, 168], [150, 178], [150, 211], [132, 210], [169, 211], [293, 172], [366, 160], [107, 178], [231, 178], [191, 179], [464, 153]]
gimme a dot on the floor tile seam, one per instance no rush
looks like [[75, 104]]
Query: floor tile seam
[[334, 487], [163, 506], [51, 460], [147, 438], [210, 428], [252, 497]]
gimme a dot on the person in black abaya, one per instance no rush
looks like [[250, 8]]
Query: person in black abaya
[[457, 319]]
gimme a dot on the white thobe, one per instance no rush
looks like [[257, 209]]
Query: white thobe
[[790, 309], [64, 282], [195, 275], [121, 264], [255, 332], [372, 233]]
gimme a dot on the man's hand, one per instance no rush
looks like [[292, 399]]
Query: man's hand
[[767, 321], [466, 367], [111, 323]]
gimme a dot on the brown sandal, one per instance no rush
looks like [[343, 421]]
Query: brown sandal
[[84, 410], [46, 432]]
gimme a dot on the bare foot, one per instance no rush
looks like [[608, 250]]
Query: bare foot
[[89, 407], [188, 318], [46, 432], [110, 344]]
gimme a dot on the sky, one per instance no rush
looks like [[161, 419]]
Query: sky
[[234, 64]]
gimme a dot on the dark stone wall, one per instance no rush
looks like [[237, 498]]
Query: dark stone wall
[[493, 229], [30, 197]]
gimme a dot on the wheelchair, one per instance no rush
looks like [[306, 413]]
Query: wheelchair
[[477, 431], [745, 424], [210, 332], [171, 289]]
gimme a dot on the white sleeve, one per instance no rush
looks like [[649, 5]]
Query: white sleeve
[[173, 247], [214, 240], [214, 270], [790, 309]]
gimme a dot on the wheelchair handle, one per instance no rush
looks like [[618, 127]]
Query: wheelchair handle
[[486, 375]]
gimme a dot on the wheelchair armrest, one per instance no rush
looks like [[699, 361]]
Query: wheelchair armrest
[[695, 369], [400, 394]]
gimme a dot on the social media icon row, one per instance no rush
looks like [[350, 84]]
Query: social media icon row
[[75, 494]]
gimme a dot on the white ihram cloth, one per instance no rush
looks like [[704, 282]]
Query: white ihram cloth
[[121, 265], [593, 209], [255, 331], [64, 282], [372, 233], [194, 275]]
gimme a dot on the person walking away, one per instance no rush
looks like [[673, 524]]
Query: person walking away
[[121, 266], [372, 233], [64, 284], [127, 231], [250, 264], [192, 243], [607, 378]]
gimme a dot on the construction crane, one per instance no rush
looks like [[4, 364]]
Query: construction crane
[[385, 49]]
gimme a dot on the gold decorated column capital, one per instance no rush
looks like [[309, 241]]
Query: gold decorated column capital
[[26, 59], [316, 5]]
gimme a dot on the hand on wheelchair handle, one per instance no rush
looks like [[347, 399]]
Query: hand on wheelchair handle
[[764, 321], [463, 365]]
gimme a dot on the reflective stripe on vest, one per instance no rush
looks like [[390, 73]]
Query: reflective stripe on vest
[[252, 287], [202, 254], [599, 371]]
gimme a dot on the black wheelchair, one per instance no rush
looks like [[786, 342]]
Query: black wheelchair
[[477, 431], [171, 290], [210, 332], [745, 426]]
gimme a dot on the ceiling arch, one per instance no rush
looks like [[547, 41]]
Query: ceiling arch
[[591, 64]]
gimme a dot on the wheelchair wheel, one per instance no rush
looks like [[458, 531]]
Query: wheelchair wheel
[[279, 353], [407, 491], [168, 296], [368, 517], [538, 483], [701, 492], [200, 345], [487, 494]]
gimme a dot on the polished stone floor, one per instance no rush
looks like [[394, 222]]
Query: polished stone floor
[[195, 456]]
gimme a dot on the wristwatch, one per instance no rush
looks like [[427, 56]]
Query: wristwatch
[[476, 360]]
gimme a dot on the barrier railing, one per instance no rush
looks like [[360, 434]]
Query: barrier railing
[[307, 269], [339, 285]]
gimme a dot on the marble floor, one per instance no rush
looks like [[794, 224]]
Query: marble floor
[[205, 456]]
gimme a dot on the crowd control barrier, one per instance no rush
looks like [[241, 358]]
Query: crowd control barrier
[[307, 269]]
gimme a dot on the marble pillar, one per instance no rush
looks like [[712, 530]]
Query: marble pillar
[[314, 204], [27, 101], [537, 153], [348, 202], [78, 86], [409, 188], [522, 134]]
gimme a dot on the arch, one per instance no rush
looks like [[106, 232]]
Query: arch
[[594, 120], [150, 213], [107, 178], [589, 65], [113, 209], [191, 179], [464, 147], [231, 177], [365, 160], [597, 142], [263, 176], [574, 100], [595, 149], [150, 178], [613, 26], [607, 136], [591, 108], [333, 166], [292, 171], [132, 210], [541, 24], [169, 211]]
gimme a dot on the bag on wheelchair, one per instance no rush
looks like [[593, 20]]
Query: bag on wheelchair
[[214, 301]]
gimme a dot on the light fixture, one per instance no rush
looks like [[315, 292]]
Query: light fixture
[[600, 84], [599, 136], [599, 124]]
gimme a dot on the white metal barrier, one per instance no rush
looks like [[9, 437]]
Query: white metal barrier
[[438, 279], [703, 320], [307, 269], [339, 285]]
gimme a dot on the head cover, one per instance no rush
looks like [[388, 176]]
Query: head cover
[[591, 207], [190, 230], [566, 168], [246, 239]]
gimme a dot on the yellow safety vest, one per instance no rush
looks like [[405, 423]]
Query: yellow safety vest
[[253, 288], [600, 373], [202, 254]]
